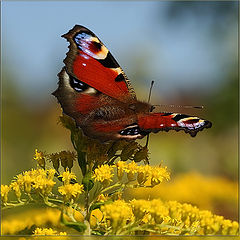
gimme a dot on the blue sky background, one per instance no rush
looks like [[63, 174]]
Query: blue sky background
[[148, 44]]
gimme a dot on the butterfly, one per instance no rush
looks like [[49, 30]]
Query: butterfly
[[96, 93]]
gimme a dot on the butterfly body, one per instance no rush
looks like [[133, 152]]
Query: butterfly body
[[96, 93]]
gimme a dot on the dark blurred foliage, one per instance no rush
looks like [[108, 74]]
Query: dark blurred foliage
[[223, 106], [221, 12]]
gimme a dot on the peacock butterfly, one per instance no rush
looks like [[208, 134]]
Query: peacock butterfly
[[96, 93]]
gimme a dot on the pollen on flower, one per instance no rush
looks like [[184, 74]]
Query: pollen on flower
[[131, 169], [103, 174], [70, 191], [36, 179], [4, 193], [102, 198], [67, 177], [50, 173], [158, 174], [118, 213], [143, 173], [140, 208], [43, 185], [39, 157], [16, 187]]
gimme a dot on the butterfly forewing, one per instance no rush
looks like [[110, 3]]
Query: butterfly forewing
[[89, 61]]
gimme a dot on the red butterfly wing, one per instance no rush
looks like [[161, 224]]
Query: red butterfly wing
[[89, 61], [154, 122]]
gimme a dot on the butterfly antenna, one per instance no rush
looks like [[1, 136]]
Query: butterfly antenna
[[178, 106], [151, 109], [150, 91]]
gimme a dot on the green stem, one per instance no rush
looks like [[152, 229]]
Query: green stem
[[118, 184], [55, 200], [82, 161], [87, 217], [49, 204], [72, 140], [88, 231], [12, 205]]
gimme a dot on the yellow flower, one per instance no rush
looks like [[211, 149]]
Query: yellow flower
[[119, 213], [103, 174], [39, 179], [16, 187], [67, 176], [131, 169], [120, 169], [158, 174], [159, 211], [47, 231], [39, 157], [143, 173], [50, 173], [43, 185], [140, 208], [27, 182], [4, 193], [70, 191], [210, 193], [102, 198], [96, 217]]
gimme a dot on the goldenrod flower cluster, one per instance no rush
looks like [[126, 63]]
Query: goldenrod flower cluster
[[103, 181], [117, 215], [166, 218], [4, 193], [143, 174], [38, 181], [47, 231], [104, 174], [70, 191], [67, 177], [203, 191]]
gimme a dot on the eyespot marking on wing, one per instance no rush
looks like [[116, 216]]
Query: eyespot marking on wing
[[132, 130], [77, 85], [91, 46]]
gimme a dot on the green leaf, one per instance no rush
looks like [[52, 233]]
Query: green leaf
[[99, 204]]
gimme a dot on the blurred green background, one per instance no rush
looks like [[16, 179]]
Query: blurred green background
[[189, 48]]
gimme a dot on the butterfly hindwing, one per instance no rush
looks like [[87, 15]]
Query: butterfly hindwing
[[154, 122]]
